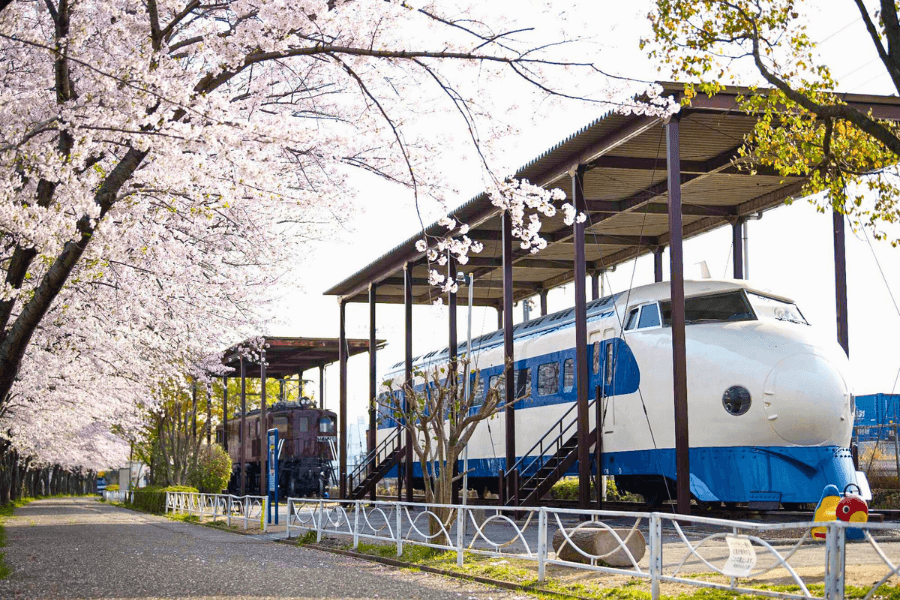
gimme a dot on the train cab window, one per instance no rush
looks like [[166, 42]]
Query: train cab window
[[548, 379], [523, 383], [649, 316], [596, 361], [714, 308], [303, 424], [326, 425], [568, 375], [281, 424], [631, 323], [773, 308]]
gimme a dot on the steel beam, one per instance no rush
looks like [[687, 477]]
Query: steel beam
[[508, 350], [225, 413], [373, 382], [737, 245], [840, 281], [544, 303], [658, 264], [263, 424], [407, 295], [243, 428], [679, 354], [208, 416], [194, 409], [581, 360], [322, 385], [453, 352], [595, 285], [342, 400]]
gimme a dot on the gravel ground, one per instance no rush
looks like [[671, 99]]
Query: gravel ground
[[81, 548]]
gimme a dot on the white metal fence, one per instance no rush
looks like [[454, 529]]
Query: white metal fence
[[116, 495], [698, 551], [240, 508]]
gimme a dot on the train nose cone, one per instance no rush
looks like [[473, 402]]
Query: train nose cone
[[806, 400]]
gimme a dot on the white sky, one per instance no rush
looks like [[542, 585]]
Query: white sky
[[790, 249]]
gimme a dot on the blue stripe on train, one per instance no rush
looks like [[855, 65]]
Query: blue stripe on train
[[724, 473]]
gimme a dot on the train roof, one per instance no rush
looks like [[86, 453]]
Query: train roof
[[284, 407], [595, 309]]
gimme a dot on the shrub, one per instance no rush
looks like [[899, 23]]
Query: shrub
[[213, 470], [153, 498], [113, 488], [567, 489]]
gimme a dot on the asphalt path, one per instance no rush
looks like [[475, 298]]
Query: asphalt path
[[81, 548]]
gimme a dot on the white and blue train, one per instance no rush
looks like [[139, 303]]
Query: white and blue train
[[770, 401]]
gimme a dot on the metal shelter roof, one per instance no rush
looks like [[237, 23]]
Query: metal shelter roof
[[286, 356], [626, 192]]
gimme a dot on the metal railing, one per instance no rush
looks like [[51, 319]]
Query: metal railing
[[373, 459], [699, 551], [116, 495], [226, 506]]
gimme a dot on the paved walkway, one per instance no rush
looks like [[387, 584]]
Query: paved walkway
[[81, 548]]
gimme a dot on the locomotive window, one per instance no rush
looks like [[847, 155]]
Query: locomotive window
[[548, 379], [303, 424], [326, 425], [281, 424], [568, 375], [523, 383], [596, 361], [632, 319], [649, 316], [774, 308], [715, 308]]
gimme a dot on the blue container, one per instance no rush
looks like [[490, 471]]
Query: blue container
[[874, 412]]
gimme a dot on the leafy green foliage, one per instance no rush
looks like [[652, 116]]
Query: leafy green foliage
[[804, 129], [153, 498], [212, 471], [567, 489], [113, 488]]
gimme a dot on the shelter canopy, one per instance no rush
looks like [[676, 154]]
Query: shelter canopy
[[287, 356], [626, 192]]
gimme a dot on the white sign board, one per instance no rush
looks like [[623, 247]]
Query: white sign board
[[741, 556]]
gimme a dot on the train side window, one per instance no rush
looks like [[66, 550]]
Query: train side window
[[548, 379], [326, 425], [498, 382], [479, 391], [523, 383], [649, 316], [609, 363], [568, 375], [632, 319], [303, 424], [596, 365]]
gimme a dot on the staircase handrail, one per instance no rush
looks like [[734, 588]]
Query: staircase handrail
[[550, 430], [372, 456]]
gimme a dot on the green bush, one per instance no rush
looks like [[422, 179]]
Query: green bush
[[113, 488], [153, 498], [213, 470], [567, 489]]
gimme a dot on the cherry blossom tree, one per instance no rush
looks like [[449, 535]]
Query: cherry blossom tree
[[165, 163]]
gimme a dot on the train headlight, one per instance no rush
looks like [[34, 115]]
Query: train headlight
[[736, 400]]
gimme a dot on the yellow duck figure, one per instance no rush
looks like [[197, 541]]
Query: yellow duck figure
[[826, 510]]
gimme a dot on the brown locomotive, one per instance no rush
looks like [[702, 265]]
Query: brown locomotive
[[307, 436]]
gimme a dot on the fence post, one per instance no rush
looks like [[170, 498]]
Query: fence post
[[246, 508], [167, 502], [656, 548], [321, 516], [356, 506], [265, 512], [460, 534], [542, 543], [230, 508], [399, 530], [190, 501], [835, 537]]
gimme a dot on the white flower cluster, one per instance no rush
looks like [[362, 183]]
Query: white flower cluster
[[525, 204]]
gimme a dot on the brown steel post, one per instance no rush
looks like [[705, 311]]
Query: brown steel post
[[581, 361], [500, 316], [598, 444], [840, 281], [508, 352], [208, 416], [342, 408], [322, 386], [243, 428], [454, 350], [544, 303], [595, 285], [737, 244], [658, 264], [225, 413], [679, 353], [407, 305], [263, 424], [194, 410], [373, 382]]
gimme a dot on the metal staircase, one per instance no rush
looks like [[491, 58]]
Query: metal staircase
[[547, 461], [375, 466]]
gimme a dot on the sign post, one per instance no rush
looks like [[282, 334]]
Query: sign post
[[272, 440]]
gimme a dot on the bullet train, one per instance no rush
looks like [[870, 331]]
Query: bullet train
[[770, 401]]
